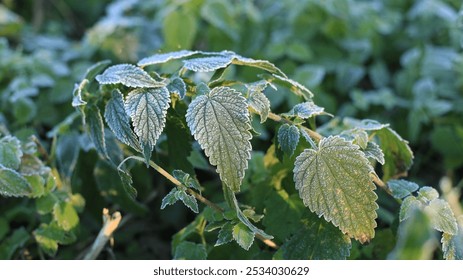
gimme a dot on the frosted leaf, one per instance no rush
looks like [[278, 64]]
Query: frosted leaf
[[177, 86], [262, 64], [366, 124], [119, 122], [10, 152], [128, 75], [441, 216], [13, 184], [208, 63], [402, 188], [408, 207], [96, 69], [243, 235], [334, 182], [148, 109], [77, 94], [164, 57], [373, 151], [219, 121], [259, 102], [452, 245], [357, 136], [95, 126], [428, 194], [288, 138], [292, 85], [305, 110]]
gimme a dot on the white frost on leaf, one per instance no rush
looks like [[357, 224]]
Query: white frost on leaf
[[128, 75]]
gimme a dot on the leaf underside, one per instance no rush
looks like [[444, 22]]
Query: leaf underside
[[334, 182]]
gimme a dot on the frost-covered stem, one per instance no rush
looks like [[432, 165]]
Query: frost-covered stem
[[316, 136], [110, 223]]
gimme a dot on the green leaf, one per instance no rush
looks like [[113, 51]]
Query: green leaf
[[452, 245], [128, 75], [119, 122], [10, 152], [402, 188], [441, 216], [305, 110], [45, 204], [186, 179], [179, 29], [95, 125], [170, 199], [220, 15], [225, 234], [397, 154], [316, 240], [177, 86], [49, 236], [127, 183], [37, 184], [292, 85], [428, 194], [13, 184], [165, 57], [187, 250], [16, 240], [220, 123], [260, 103], [47, 245], [77, 94], [257, 63], [202, 89], [334, 182], [366, 124], [188, 200], [31, 165], [208, 63], [243, 235], [408, 207], [288, 138], [96, 69], [373, 151], [65, 215], [148, 110], [357, 136]]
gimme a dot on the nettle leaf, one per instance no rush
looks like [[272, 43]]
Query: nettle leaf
[[334, 182], [177, 86], [225, 234], [186, 180], [95, 125], [169, 199], [402, 188], [373, 151], [452, 245], [366, 124], [96, 69], [188, 200], [119, 122], [127, 183], [220, 122], [243, 235], [10, 152], [257, 63], [128, 75], [148, 109], [292, 85], [288, 138], [187, 250], [316, 240], [397, 154], [208, 63], [13, 184], [305, 110], [260, 103], [165, 57], [357, 136]]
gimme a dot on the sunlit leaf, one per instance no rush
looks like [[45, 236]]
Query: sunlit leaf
[[165, 57], [128, 75]]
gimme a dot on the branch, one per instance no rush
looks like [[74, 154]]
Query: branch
[[110, 223]]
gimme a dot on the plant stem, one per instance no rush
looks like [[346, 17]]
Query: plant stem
[[110, 223], [316, 136]]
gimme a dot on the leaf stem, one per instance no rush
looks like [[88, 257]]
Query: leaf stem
[[199, 197], [380, 183]]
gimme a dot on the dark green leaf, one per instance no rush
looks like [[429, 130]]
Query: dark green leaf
[[95, 125], [373, 151], [170, 198], [402, 188], [127, 183], [177, 86], [187, 250], [225, 234], [186, 179], [188, 200], [179, 141], [15, 241], [10, 152], [288, 138], [13, 184], [243, 235]]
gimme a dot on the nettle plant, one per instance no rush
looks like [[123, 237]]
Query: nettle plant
[[310, 193]]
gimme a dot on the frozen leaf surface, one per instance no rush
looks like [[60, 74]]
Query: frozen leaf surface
[[165, 57], [219, 121], [288, 137], [208, 63], [334, 182], [128, 75]]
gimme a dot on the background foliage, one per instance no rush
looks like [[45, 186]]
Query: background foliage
[[399, 62]]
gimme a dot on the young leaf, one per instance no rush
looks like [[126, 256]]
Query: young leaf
[[96, 69], [373, 151], [316, 240], [128, 75], [188, 200], [187, 250], [177, 86], [165, 57], [262, 64], [305, 110], [10, 152], [65, 215], [259, 102], [292, 85], [441, 216], [220, 122], [288, 138], [397, 154], [119, 122], [243, 235], [127, 183], [13, 184], [208, 63], [186, 179], [402, 188], [225, 234], [334, 182], [95, 125], [452, 245], [169, 199], [148, 110]]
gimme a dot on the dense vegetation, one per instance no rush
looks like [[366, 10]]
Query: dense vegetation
[[67, 95]]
